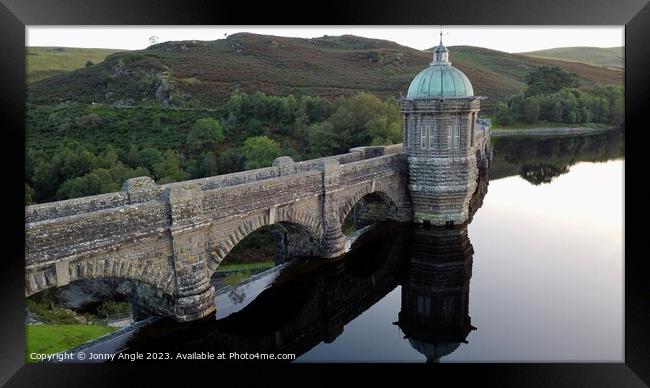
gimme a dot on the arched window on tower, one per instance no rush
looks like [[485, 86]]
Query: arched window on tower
[[453, 135], [427, 133], [423, 136]]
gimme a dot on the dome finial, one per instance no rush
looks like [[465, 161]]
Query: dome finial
[[440, 53]]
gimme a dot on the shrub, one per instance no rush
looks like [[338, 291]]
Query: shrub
[[259, 151], [90, 121]]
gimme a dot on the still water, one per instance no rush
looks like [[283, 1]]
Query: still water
[[536, 276]]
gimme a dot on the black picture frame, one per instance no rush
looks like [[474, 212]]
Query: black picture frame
[[16, 14]]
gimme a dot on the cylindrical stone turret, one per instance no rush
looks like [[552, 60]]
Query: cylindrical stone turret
[[441, 141]]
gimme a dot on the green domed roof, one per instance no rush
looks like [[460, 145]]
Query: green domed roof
[[440, 79]]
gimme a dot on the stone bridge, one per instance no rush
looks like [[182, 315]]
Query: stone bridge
[[169, 239], [174, 236]]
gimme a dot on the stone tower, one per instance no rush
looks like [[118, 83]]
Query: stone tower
[[444, 141]]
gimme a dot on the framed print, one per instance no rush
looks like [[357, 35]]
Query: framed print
[[441, 184]]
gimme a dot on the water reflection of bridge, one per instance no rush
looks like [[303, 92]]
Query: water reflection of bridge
[[311, 302]]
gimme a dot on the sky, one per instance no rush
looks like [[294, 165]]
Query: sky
[[510, 39]]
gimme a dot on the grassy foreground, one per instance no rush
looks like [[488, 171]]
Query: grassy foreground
[[56, 338]]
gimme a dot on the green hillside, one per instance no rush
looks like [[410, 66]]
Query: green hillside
[[598, 56], [43, 62], [205, 73], [176, 110]]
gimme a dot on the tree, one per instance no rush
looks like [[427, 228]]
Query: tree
[[29, 194], [71, 188], [531, 110], [569, 106], [234, 108], [109, 157], [384, 130], [153, 39], [617, 108], [205, 132], [31, 158], [316, 109], [603, 110], [585, 115], [120, 173], [502, 114], [556, 112], [206, 165], [45, 181], [89, 184], [229, 161], [149, 157], [98, 181], [90, 121], [323, 140], [259, 151], [132, 156], [386, 127], [74, 161], [516, 105], [169, 170], [546, 80], [572, 116], [362, 109], [614, 95]]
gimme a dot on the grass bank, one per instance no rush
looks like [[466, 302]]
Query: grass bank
[[246, 266], [57, 338]]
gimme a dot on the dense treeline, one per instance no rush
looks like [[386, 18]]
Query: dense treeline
[[76, 150], [553, 96]]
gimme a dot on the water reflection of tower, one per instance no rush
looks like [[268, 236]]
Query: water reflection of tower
[[435, 290], [435, 294]]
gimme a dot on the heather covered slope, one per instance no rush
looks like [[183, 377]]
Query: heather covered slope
[[205, 73], [599, 56]]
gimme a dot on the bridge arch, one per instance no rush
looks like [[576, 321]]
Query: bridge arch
[[380, 204], [147, 271], [87, 294], [307, 230]]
